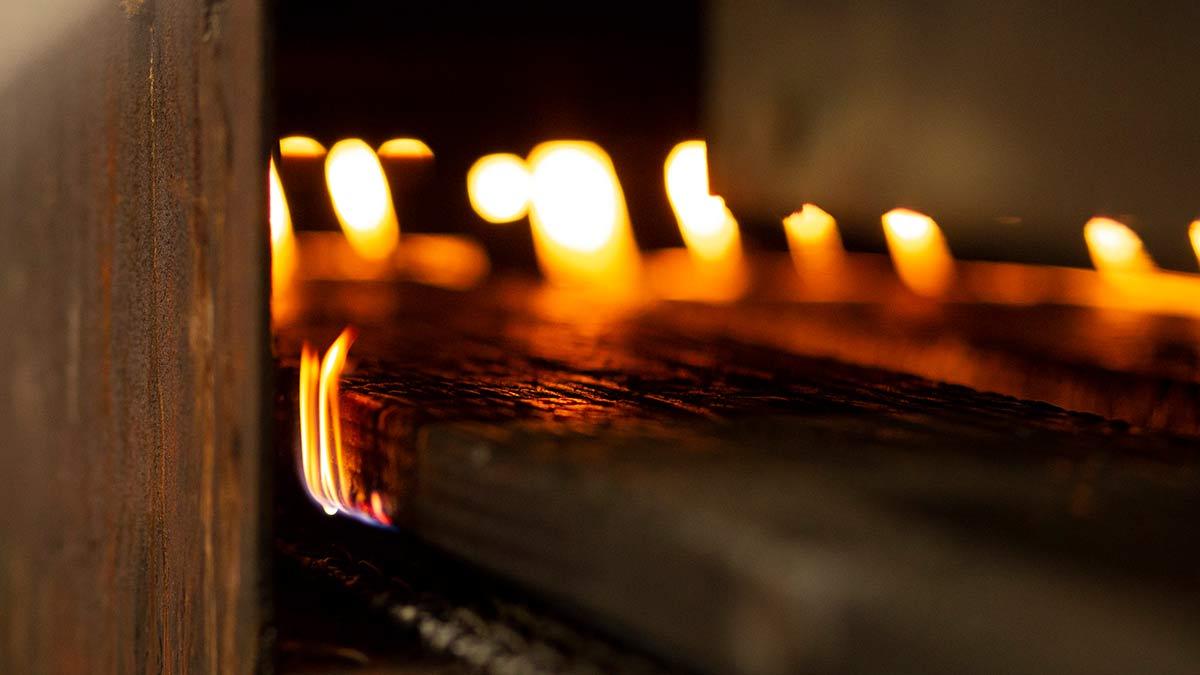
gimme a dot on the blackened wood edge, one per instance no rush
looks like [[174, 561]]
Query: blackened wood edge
[[134, 352]]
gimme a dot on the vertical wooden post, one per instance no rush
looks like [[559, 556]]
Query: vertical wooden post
[[133, 272]]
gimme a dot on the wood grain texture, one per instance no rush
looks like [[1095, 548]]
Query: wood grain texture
[[133, 280], [747, 509]]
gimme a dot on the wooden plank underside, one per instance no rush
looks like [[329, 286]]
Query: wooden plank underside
[[752, 510], [132, 286]]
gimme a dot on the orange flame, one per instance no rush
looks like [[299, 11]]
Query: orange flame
[[300, 146], [581, 230], [919, 252], [310, 460], [1194, 235], [322, 460], [1115, 249], [283, 245], [815, 244], [709, 229], [498, 187], [362, 199], [405, 148]]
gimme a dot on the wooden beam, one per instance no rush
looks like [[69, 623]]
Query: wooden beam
[[132, 284], [746, 509]]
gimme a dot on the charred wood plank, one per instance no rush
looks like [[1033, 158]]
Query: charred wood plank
[[757, 511]]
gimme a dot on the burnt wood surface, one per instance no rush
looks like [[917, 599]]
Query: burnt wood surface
[[756, 510], [132, 288]]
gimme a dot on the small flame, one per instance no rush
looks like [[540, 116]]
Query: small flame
[[323, 463], [362, 199], [812, 228], [333, 464], [283, 244], [498, 187], [919, 252], [709, 229], [1194, 235], [1115, 248], [310, 459], [300, 146], [814, 242], [581, 230], [405, 148]]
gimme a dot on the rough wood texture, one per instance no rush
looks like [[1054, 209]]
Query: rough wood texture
[[133, 279], [751, 510]]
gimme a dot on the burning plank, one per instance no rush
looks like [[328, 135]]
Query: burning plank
[[748, 509]]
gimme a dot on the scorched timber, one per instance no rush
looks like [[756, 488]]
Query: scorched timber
[[751, 510]]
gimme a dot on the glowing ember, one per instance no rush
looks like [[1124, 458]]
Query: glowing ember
[[322, 460], [708, 228], [1115, 248], [402, 148], [283, 244], [498, 187], [1194, 235], [362, 199], [919, 252], [581, 230], [300, 146]]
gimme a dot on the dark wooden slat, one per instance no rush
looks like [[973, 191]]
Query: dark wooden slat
[[753, 510], [133, 272]]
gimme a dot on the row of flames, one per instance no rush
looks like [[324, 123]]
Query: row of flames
[[582, 236]]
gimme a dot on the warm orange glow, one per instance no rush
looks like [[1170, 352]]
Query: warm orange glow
[[362, 199], [498, 187], [329, 428], [812, 228], [322, 459], [919, 252], [815, 244], [405, 148], [1115, 248], [581, 230], [310, 457], [1194, 235], [709, 230], [457, 262], [283, 245], [300, 146]]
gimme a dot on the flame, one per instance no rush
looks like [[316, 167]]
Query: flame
[[329, 427], [322, 460], [1194, 235], [1115, 248], [581, 230], [709, 229], [300, 146], [310, 464], [362, 199], [815, 244], [283, 245], [919, 252], [812, 229], [405, 148], [498, 187]]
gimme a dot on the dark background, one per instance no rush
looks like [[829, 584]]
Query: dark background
[[475, 78], [1011, 123]]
